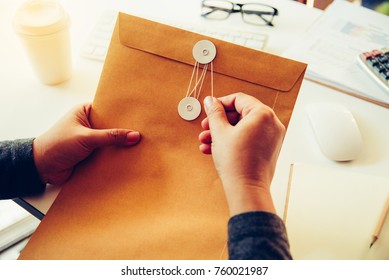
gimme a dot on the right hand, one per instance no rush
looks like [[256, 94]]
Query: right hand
[[244, 137]]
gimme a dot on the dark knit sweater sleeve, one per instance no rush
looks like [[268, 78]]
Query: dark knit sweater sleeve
[[257, 235], [18, 174]]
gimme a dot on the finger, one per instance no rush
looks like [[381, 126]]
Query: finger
[[87, 109], [205, 137], [241, 103], [107, 137], [205, 124], [81, 114], [215, 113], [232, 116], [205, 149]]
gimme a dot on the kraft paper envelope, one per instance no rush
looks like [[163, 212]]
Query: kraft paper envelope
[[161, 199]]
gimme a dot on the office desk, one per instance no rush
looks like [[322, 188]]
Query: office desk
[[28, 108]]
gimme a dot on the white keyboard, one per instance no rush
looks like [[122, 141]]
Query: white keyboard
[[247, 39], [97, 44]]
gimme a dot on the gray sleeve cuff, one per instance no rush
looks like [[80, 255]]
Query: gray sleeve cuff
[[257, 235], [18, 174]]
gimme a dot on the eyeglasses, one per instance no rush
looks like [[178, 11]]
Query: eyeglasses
[[252, 13]]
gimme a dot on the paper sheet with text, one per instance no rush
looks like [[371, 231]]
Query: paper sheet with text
[[332, 44]]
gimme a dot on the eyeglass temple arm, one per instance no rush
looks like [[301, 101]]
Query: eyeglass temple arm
[[215, 9], [265, 20], [259, 13]]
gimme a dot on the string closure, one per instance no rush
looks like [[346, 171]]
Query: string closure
[[204, 52]]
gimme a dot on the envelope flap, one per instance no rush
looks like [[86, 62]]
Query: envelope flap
[[232, 60]]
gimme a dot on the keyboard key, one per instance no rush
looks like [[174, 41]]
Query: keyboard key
[[379, 68], [382, 59], [88, 50], [385, 75], [254, 44], [240, 40], [372, 62], [100, 51], [375, 52], [366, 55]]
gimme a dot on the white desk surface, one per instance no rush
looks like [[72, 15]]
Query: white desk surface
[[28, 108]]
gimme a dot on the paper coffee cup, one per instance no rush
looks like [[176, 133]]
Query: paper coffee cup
[[43, 26]]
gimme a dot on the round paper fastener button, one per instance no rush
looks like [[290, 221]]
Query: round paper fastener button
[[189, 108], [204, 51]]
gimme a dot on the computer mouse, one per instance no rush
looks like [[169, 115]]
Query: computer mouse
[[336, 130]]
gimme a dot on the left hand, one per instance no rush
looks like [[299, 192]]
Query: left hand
[[71, 140]]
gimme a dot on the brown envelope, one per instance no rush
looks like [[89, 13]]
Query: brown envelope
[[161, 199]]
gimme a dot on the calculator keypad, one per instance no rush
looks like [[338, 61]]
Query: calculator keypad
[[378, 62]]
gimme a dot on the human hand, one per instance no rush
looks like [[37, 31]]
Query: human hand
[[71, 140], [244, 137]]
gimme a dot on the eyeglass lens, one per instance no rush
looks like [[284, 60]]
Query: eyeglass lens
[[257, 14], [216, 9], [253, 13]]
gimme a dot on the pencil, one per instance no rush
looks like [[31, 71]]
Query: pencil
[[380, 223]]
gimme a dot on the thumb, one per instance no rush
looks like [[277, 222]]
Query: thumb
[[106, 137], [216, 114]]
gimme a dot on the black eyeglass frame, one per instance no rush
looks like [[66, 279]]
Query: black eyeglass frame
[[240, 10]]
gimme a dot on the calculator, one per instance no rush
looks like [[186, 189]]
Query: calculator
[[376, 64]]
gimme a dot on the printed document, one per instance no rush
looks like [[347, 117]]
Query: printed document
[[332, 44]]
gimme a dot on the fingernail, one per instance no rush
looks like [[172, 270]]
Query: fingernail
[[133, 137], [208, 101]]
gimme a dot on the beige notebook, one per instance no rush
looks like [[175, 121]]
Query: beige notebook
[[332, 213]]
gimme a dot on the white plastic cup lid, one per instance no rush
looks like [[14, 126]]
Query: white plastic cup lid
[[40, 17]]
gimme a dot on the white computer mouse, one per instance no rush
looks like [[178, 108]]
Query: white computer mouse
[[336, 130]]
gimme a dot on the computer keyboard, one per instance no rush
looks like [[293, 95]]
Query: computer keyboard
[[97, 44], [247, 39]]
